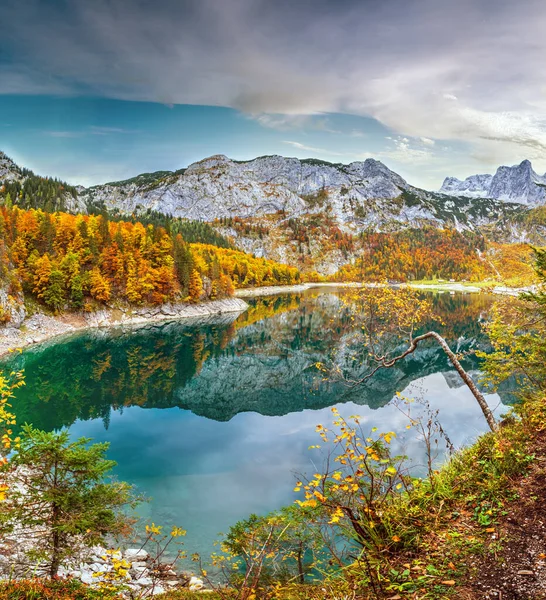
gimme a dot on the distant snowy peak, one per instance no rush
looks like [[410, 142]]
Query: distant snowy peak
[[518, 183], [475, 186]]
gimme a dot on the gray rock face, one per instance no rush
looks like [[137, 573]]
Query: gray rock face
[[518, 183], [12, 308], [475, 186], [75, 205], [219, 187], [9, 171], [359, 195]]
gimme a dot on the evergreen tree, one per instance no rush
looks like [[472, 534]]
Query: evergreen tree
[[76, 291], [54, 294], [183, 262], [61, 489]]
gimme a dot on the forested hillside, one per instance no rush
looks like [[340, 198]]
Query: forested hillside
[[429, 253], [67, 261], [317, 243], [192, 231], [37, 192], [21, 186]]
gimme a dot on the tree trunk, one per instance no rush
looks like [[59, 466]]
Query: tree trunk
[[465, 377], [55, 535], [55, 555], [301, 573]]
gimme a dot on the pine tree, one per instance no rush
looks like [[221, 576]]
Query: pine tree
[[183, 262], [54, 295], [61, 490], [76, 291]]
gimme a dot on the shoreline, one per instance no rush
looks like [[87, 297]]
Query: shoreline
[[40, 328], [500, 290], [440, 287], [273, 290]]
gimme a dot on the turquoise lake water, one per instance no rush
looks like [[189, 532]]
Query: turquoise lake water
[[212, 419]]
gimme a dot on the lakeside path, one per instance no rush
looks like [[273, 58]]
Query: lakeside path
[[40, 327], [433, 287], [462, 287], [288, 289]]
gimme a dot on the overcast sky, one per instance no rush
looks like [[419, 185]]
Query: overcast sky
[[94, 91]]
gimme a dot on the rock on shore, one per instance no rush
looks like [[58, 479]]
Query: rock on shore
[[40, 327]]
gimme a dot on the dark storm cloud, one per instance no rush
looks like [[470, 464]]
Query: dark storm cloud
[[470, 70]]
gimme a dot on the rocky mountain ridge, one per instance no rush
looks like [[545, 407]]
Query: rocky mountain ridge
[[9, 171], [518, 183], [359, 195], [218, 187], [356, 197], [12, 174]]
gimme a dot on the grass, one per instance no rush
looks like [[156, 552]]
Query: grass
[[482, 285], [61, 589], [448, 524], [296, 592]]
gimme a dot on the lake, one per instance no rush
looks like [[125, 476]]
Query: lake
[[211, 419]]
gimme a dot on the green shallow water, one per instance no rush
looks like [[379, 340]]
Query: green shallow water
[[211, 419]]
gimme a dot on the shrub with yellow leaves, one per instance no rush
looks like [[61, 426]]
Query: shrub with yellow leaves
[[359, 478], [8, 385]]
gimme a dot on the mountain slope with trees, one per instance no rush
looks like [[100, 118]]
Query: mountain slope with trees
[[73, 262], [311, 214]]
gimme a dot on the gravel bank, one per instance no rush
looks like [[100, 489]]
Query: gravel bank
[[40, 327]]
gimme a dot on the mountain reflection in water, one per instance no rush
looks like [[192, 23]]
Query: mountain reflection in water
[[210, 418]]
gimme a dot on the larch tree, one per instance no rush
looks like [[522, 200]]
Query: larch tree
[[42, 273], [195, 289], [100, 288]]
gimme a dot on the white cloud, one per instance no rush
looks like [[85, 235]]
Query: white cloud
[[470, 71], [93, 130], [314, 150], [282, 122], [96, 130], [63, 134], [407, 151]]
